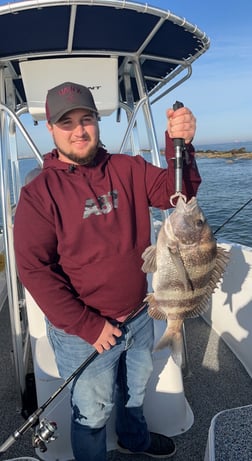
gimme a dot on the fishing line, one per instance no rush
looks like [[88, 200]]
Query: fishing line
[[236, 212]]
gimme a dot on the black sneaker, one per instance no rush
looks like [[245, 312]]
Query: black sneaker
[[160, 447]]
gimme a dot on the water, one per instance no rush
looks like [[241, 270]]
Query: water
[[225, 188]]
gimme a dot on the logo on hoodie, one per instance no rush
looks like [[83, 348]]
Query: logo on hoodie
[[104, 204]]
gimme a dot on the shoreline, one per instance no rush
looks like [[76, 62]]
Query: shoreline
[[228, 155], [233, 154]]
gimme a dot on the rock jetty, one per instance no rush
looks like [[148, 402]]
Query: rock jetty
[[230, 154]]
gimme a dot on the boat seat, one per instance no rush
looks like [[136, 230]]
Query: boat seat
[[166, 408]]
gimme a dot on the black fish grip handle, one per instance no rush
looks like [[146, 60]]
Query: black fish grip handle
[[179, 145]]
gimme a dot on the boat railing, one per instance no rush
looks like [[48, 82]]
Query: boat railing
[[10, 189]]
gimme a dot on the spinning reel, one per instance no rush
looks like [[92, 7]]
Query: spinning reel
[[44, 434]]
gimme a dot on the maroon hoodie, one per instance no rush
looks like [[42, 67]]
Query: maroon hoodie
[[80, 231]]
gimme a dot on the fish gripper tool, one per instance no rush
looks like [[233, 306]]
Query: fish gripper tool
[[179, 146]]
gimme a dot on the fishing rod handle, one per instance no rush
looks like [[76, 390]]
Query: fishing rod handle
[[7, 444], [31, 421]]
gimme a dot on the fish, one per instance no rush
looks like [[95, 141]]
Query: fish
[[187, 264]]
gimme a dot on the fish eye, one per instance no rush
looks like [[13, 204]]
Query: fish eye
[[199, 223]]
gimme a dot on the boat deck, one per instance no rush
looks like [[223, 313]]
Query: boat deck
[[230, 434], [216, 381]]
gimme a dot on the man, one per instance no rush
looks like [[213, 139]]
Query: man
[[81, 227]]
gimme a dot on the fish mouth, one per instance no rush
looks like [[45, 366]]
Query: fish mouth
[[187, 207]]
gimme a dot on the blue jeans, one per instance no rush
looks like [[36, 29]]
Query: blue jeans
[[119, 375]]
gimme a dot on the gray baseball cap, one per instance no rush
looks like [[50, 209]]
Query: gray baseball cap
[[68, 96]]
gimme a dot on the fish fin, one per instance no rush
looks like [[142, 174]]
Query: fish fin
[[222, 259], [173, 339], [153, 309], [182, 273], [150, 298], [156, 314], [201, 308], [150, 260]]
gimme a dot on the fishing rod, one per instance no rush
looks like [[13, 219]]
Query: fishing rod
[[235, 213], [46, 430]]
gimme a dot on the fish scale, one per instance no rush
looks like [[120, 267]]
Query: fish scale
[[187, 265]]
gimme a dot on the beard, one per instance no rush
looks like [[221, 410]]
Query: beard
[[85, 160]]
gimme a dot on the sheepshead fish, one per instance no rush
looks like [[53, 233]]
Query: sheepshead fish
[[187, 264]]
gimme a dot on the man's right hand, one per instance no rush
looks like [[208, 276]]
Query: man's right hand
[[107, 338]]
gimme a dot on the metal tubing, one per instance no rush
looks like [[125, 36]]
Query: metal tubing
[[10, 271], [148, 114], [31, 144], [20, 345]]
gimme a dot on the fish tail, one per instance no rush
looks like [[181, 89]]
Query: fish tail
[[173, 339]]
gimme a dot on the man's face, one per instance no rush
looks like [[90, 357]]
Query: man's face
[[76, 136]]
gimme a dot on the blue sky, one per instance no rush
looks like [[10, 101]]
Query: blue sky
[[219, 90]]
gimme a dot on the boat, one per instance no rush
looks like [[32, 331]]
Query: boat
[[133, 55]]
